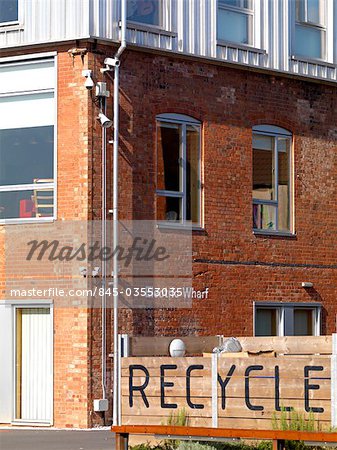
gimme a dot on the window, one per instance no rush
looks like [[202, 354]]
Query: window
[[145, 11], [27, 140], [290, 319], [310, 31], [271, 179], [8, 11], [235, 21], [178, 169]]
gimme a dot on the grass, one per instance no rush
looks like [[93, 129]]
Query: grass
[[285, 420]]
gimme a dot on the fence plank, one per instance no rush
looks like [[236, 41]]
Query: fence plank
[[259, 388], [334, 382], [148, 346], [195, 345]]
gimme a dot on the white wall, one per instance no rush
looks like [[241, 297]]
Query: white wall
[[6, 372]]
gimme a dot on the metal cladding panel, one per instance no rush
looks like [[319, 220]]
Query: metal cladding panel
[[47, 21], [313, 70], [104, 19], [189, 27]]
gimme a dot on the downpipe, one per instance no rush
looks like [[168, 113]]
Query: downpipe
[[113, 64]]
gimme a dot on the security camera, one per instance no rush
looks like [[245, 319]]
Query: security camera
[[95, 271], [89, 83], [114, 62], [105, 121], [83, 272]]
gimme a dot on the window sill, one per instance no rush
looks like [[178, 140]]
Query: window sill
[[270, 233], [235, 45], [24, 221], [149, 28], [317, 61], [179, 226], [11, 26]]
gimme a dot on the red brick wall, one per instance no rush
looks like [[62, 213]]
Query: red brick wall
[[229, 102], [71, 349], [71, 324]]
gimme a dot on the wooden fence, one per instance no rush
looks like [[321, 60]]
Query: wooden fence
[[232, 391]]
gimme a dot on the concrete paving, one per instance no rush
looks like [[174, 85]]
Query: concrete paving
[[14, 439]]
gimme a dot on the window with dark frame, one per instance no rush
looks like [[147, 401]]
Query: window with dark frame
[[288, 319], [271, 190], [148, 12], [235, 21], [310, 29], [9, 11], [178, 169]]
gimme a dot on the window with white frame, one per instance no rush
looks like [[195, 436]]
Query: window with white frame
[[178, 169], [27, 169], [310, 29], [289, 319], [271, 179], [9, 11], [147, 12], [235, 21]]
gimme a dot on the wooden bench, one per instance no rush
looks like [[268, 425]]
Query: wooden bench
[[213, 434]]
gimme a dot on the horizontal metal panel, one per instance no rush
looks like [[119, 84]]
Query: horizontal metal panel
[[22, 77], [27, 111]]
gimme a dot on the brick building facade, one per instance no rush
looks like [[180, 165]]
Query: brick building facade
[[253, 270]]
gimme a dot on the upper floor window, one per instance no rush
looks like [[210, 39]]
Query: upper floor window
[[178, 169], [310, 29], [27, 169], [288, 319], [8, 11], [145, 11], [271, 179], [235, 21]]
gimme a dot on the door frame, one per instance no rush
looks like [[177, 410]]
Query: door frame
[[31, 304]]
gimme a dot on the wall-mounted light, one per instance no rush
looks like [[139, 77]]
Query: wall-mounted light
[[177, 348], [307, 284], [89, 82], [105, 121]]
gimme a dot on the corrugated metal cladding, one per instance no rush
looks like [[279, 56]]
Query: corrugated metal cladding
[[189, 27], [47, 21]]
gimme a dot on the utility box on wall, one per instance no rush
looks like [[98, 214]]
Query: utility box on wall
[[101, 405]]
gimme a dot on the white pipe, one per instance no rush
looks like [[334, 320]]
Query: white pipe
[[116, 384], [115, 243], [123, 30], [103, 262]]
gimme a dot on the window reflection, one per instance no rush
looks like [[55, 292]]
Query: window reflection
[[33, 203], [8, 11], [26, 154], [144, 11]]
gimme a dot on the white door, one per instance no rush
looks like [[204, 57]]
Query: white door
[[33, 390]]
